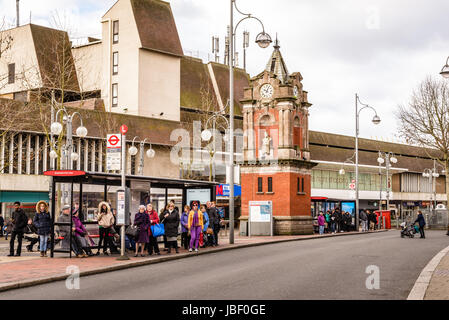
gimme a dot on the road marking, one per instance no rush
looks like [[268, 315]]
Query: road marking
[[419, 289]]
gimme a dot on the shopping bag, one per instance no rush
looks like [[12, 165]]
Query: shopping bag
[[158, 230]]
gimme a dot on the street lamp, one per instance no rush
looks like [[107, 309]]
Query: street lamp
[[263, 39], [433, 174], [445, 70], [207, 134], [387, 158], [56, 128], [133, 151], [375, 120]]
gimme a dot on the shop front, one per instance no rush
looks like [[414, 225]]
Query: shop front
[[28, 202]]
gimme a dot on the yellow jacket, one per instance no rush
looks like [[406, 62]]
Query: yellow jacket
[[200, 219]]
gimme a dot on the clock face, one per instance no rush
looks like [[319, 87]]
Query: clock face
[[295, 91], [266, 91]]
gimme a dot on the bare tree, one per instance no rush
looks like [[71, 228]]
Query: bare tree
[[425, 121]]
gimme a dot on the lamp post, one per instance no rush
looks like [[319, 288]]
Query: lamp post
[[206, 135], [263, 40], [387, 158], [133, 151], [375, 120], [433, 174], [445, 70]]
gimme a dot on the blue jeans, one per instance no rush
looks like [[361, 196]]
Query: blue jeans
[[43, 242], [321, 229]]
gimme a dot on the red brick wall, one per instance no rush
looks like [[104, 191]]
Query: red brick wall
[[286, 201]]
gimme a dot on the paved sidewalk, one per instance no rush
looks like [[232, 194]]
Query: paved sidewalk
[[30, 269], [438, 288]]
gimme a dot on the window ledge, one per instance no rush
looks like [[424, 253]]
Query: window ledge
[[301, 193], [270, 193], [260, 193]]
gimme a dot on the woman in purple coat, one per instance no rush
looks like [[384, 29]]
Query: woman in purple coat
[[143, 222]]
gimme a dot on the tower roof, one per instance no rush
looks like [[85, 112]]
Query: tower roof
[[277, 65]]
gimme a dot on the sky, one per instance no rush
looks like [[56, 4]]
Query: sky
[[380, 49]]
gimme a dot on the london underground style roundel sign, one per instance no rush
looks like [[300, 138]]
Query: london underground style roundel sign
[[64, 173], [124, 129]]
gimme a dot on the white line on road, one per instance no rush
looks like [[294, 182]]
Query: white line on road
[[419, 289]]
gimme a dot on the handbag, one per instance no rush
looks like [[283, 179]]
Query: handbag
[[158, 230], [132, 231]]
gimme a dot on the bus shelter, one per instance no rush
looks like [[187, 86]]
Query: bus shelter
[[84, 191]]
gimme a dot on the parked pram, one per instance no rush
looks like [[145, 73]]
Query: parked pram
[[408, 230]]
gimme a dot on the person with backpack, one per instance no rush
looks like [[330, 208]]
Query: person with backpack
[[42, 221]]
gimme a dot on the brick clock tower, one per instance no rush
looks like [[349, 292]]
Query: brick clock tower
[[276, 153]]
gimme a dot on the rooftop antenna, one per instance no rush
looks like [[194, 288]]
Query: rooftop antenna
[[17, 12]]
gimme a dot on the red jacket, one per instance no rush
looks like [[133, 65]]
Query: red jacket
[[154, 218]]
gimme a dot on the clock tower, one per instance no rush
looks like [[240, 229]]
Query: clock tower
[[277, 164]]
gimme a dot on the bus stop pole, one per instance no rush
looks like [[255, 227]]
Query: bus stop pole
[[123, 256]]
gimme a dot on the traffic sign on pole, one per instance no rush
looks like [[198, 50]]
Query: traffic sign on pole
[[113, 152], [124, 129]]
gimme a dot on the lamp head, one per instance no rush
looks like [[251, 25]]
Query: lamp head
[[342, 171], [132, 150], [150, 153], [206, 135], [56, 128], [74, 156], [376, 119], [393, 159], [53, 154], [263, 39], [380, 160], [81, 131], [435, 175]]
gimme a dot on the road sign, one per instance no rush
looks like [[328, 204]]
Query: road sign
[[113, 152], [114, 141], [352, 186], [124, 129]]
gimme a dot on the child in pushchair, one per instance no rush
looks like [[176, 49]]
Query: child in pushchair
[[408, 229]]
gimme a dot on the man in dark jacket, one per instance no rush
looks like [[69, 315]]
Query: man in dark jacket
[[339, 220], [171, 223], [422, 222], [214, 221], [19, 220]]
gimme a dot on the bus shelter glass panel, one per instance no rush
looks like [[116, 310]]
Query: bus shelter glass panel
[[92, 196], [112, 196], [175, 195], [157, 198]]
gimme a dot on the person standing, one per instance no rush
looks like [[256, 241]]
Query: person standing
[[321, 221], [171, 222], [334, 217], [161, 217], [42, 221], [195, 226], [185, 239], [142, 221], [422, 222], [154, 219], [19, 220], [363, 218], [327, 225], [203, 235], [105, 220], [2, 223], [214, 221]]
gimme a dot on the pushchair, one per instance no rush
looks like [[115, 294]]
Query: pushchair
[[408, 230]]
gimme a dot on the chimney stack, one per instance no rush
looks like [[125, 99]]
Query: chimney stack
[[17, 9]]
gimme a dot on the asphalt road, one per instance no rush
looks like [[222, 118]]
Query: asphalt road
[[328, 268]]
